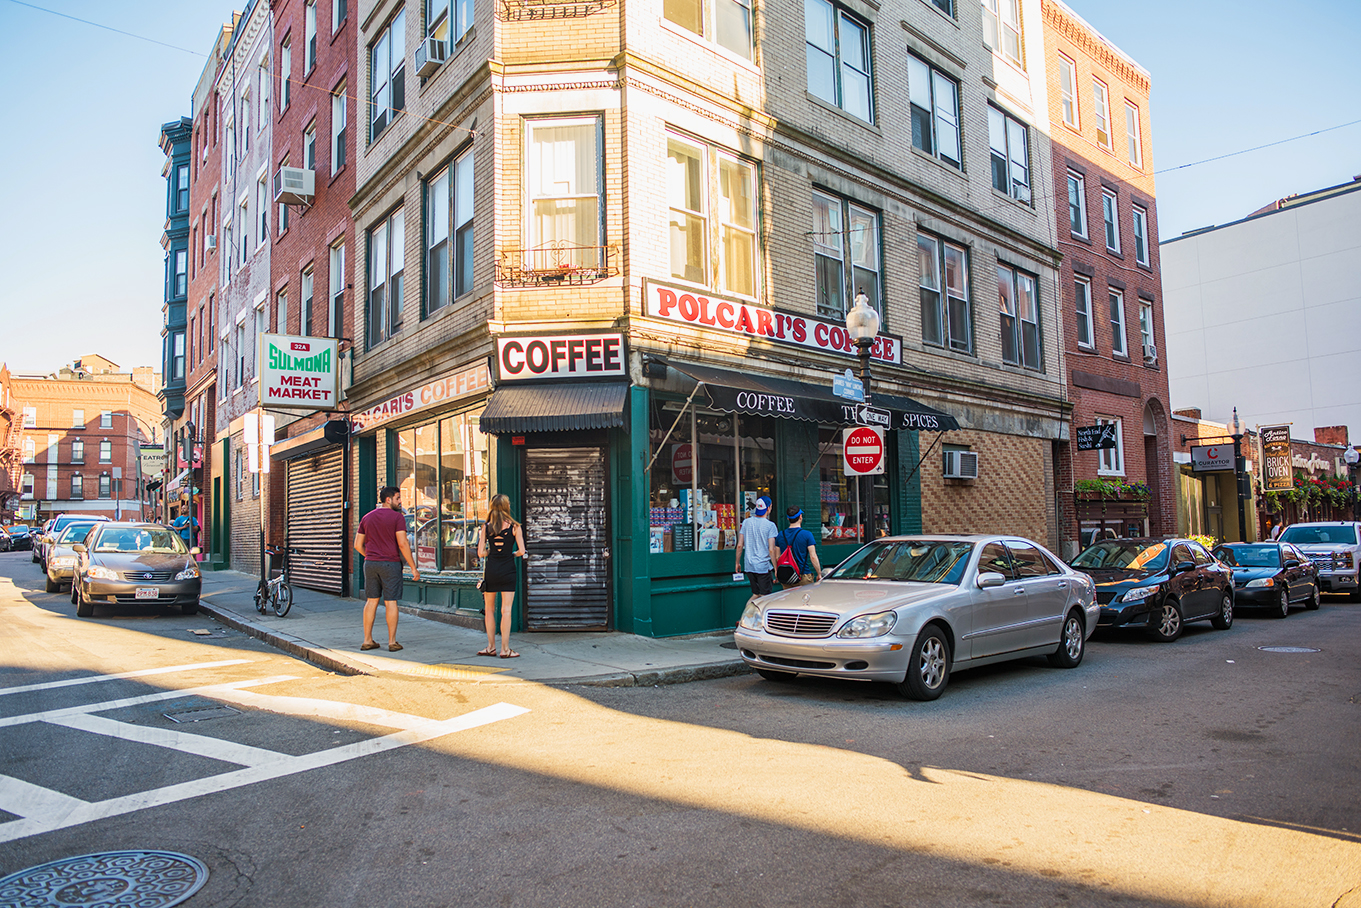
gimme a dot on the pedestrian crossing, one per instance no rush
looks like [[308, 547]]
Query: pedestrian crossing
[[41, 809]]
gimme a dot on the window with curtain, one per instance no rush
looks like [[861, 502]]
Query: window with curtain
[[449, 233], [387, 75], [725, 22], [1009, 142], [685, 180], [564, 194], [944, 280], [701, 179], [838, 58], [1020, 314]]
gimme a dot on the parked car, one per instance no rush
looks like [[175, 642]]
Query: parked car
[[61, 557], [6, 543], [911, 609], [1158, 584], [1272, 575], [135, 563], [20, 537], [52, 529], [1335, 550]]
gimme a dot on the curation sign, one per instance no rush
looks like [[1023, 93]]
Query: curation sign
[[462, 383], [862, 451], [561, 356], [679, 304], [1277, 465], [298, 373], [1211, 458]]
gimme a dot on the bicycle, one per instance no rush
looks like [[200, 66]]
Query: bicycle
[[276, 593]]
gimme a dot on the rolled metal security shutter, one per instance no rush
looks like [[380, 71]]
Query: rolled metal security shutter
[[316, 519], [567, 538]]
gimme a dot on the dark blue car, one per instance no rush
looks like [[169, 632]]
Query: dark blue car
[[1271, 575]]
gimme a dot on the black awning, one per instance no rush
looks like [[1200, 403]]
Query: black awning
[[559, 407], [759, 395]]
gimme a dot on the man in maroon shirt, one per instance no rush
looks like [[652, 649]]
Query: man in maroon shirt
[[381, 542]]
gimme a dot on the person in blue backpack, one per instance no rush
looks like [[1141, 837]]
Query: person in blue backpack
[[802, 546]]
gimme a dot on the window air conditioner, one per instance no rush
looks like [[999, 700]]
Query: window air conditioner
[[961, 464], [212, 241], [430, 56], [294, 186], [1150, 353]]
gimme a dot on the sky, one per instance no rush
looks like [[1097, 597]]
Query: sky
[[82, 199]]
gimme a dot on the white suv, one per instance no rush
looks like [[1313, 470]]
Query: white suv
[[1335, 549]]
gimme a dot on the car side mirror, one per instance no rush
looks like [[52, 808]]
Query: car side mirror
[[79, 548], [1291, 563], [195, 551], [989, 579], [1182, 567]]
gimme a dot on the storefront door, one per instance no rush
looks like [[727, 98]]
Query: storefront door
[[567, 537]]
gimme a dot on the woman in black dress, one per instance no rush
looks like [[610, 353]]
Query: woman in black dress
[[500, 542]]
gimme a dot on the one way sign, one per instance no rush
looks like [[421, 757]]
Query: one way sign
[[872, 416]]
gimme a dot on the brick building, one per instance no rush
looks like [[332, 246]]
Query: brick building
[[1106, 215], [11, 449], [83, 430]]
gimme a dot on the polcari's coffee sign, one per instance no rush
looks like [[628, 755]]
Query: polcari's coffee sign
[[298, 373], [704, 310]]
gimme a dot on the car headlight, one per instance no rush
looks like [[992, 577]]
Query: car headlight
[[1262, 581], [189, 573], [63, 561], [1139, 593], [96, 572], [869, 625], [751, 617]]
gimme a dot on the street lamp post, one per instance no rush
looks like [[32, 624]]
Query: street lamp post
[[1353, 457], [862, 324], [1239, 473]]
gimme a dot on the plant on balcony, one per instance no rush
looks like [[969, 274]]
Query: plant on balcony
[[1111, 489]]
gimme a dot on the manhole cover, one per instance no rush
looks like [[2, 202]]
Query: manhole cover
[[1289, 649], [198, 715], [147, 879]]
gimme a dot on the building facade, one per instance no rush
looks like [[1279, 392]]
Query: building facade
[[11, 451], [1106, 215], [175, 145]]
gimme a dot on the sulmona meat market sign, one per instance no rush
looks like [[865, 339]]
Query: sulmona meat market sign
[[298, 373], [704, 310]]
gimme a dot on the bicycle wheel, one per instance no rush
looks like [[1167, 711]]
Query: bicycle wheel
[[282, 598], [261, 597]]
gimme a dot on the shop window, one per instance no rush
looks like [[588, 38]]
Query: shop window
[[708, 469], [444, 471], [845, 243], [843, 497], [946, 319]]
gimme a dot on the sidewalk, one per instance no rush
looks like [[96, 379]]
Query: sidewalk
[[327, 630]]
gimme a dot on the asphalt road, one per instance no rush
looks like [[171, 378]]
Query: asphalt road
[[1204, 772]]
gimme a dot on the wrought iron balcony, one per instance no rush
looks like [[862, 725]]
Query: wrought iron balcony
[[555, 264], [516, 10]]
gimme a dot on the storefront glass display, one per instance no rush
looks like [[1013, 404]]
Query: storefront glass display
[[697, 503], [842, 496], [442, 469]]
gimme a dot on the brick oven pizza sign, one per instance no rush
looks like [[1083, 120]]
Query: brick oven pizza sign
[[298, 373], [1278, 473]]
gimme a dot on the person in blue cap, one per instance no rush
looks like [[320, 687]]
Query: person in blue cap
[[756, 553], [803, 546]]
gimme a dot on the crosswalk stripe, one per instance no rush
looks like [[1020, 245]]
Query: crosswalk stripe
[[207, 690], [119, 676], [199, 745], [24, 799]]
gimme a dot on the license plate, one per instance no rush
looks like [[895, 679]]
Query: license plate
[[148, 592]]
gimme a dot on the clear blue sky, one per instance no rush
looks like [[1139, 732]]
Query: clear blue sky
[[82, 199]]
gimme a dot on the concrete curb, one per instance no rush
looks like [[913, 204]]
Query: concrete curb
[[680, 674]]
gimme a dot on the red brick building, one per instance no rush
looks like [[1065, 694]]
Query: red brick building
[[1106, 216], [11, 446]]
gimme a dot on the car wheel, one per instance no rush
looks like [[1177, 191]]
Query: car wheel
[[190, 609], [776, 676], [1166, 625], [1282, 605], [1314, 600], [52, 585], [929, 667], [75, 593], [1223, 620], [1072, 643], [84, 607], [34, 556]]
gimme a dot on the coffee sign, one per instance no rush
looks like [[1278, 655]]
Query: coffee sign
[[298, 373], [560, 356]]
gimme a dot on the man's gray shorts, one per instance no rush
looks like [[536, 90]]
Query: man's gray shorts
[[383, 580]]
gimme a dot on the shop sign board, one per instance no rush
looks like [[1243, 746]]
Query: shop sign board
[[863, 451], [560, 356], [298, 373], [848, 386], [706, 310], [1094, 438], [447, 388], [1277, 465], [682, 464], [1211, 458]]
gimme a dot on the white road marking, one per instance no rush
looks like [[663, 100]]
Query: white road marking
[[323, 709], [200, 745], [24, 799], [71, 682], [208, 690]]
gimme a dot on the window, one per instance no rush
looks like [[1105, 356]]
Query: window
[[336, 313], [30, 450], [1068, 90], [283, 209], [310, 34], [309, 146], [839, 251], [305, 301], [1109, 212], [106, 419], [443, 468], [934, 99], [685, 180], [1146, 325], [387, 242], [285, 74], [193, 323], [105, 486], [1082, 292], [245, 230], [1118, 323], [838, 51], [262, 208], [439, 18], [106, 451], [78, 451], [1136, 151], [387, 75], [27, 486], [338, 123], [338, 13], [240, 484], [177, 355], [1009, 140], [691, 194], [1020, 317], [77, 486], [231, 153], [449, 214], [281, 313], [564, 193], [945, 6], [1140, 234], [212, 317], [1002, 28], [245, 124], [240, 355], [945, 304], [727, 22], [77, 419], [1101, 110], [181, 272], [1112, 460], [30, 417], [737, 225], [1077, 205], [262, 107], [182, 188]]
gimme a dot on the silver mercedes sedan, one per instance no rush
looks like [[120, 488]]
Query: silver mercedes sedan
[[911, 609]]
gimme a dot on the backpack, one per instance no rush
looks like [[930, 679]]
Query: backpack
[[787, 570]]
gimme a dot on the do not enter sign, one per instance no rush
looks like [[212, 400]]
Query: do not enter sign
[[863, 451]]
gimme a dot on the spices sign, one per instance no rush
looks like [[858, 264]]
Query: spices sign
[[298, 373]]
